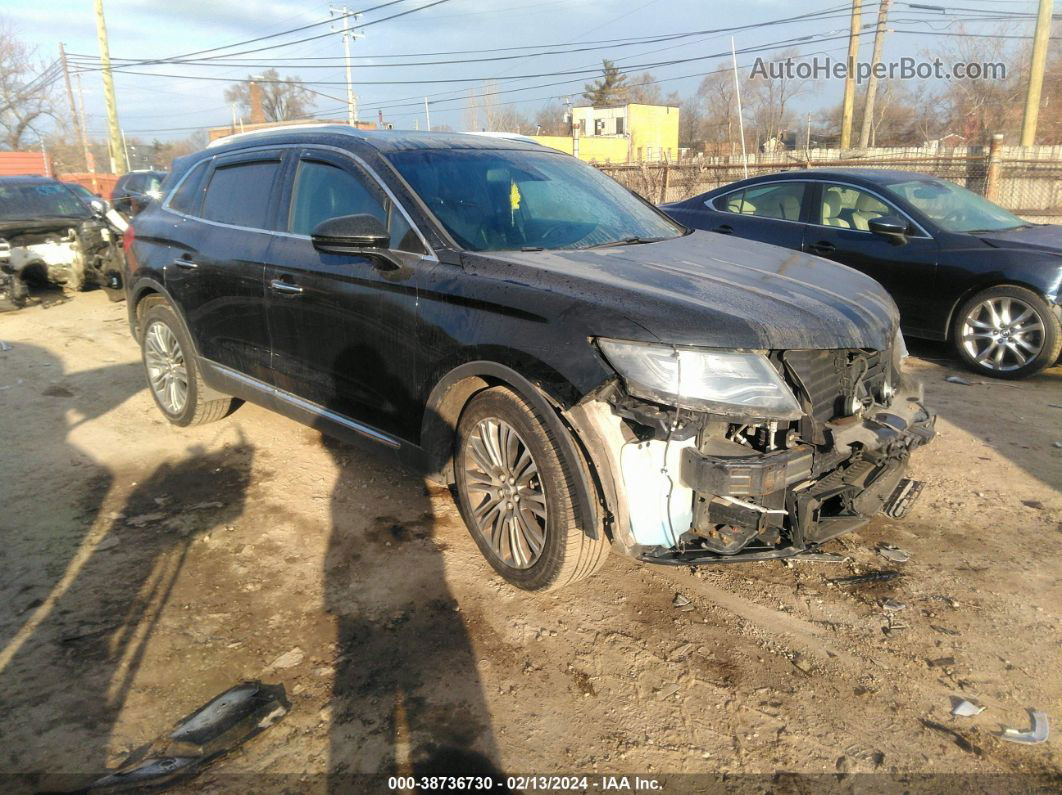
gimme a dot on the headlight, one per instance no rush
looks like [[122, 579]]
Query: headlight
[[732, 383]]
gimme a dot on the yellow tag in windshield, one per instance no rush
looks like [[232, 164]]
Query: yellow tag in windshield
[[514, 198]]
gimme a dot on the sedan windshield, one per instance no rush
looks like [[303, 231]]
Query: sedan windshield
[[39, 201], [498, 199], [955, 209]]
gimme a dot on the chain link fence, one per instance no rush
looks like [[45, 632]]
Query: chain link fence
[[1027, 181]]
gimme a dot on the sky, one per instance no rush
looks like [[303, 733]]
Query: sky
[[155, 106]]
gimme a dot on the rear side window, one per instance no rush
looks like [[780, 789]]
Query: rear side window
[[239, 194], [186, 198], [781, 200]]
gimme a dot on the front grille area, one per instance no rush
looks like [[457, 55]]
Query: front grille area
[[831, 378]]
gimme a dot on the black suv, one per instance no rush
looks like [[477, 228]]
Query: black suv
[[585, 371]]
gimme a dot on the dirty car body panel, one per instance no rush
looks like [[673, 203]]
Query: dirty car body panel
[[476, 304]]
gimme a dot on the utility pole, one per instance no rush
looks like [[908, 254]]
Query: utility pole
[[1036, 73], [872, 83], [849, 80], [118, 162], [73, 105], [427, 115], [741, 120], [348, 34]]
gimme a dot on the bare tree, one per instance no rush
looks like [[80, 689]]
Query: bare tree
[[768, 102], [549, 120], [283, 99], [718, 128], [24, 100], [644, 89]]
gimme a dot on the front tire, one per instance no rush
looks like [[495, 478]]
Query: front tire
[[519, 495], [1007, 332], [172, 371]]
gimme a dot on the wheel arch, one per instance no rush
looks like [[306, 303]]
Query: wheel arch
[[949, 329], [456, 388]]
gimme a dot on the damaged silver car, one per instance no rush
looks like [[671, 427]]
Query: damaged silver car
[[49, 235]]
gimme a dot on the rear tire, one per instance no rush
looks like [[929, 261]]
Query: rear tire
[[519, 496], [1007, 332], [172, 370]]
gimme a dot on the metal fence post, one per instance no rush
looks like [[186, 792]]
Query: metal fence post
[[995, 155], [664, 183]]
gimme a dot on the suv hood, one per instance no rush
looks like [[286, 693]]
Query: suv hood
[[23, 226], [1045, 237], [710, 289]]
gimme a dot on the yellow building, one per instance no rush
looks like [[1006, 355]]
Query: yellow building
[[626, 134]]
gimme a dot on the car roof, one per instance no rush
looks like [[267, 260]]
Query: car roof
[[876, 176], [384, 141]]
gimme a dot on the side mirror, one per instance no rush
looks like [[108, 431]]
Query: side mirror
[[890, 227], [351, 234], [99, 207]]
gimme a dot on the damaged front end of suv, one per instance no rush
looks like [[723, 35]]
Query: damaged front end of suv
[[738, 455], [48, 236]]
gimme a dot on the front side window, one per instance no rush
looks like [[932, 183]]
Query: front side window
[[324, 191], [850, 208], [44, 200], [239, 194], [779, 200], [502, 199], [953, 208]]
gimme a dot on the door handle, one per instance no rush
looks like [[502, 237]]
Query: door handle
[[724, 229], [822, 247], [187, 264], [281, 286]]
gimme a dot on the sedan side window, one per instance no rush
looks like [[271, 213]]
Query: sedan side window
[[324, 191], [850, 208], [780, 200]]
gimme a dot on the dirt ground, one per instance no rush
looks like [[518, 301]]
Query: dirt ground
[[145, 568]]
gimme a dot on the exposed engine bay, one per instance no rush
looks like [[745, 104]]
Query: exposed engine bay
[[698, 487], [73, 255]]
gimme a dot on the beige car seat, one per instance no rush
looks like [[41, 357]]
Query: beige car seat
[[831, 206], [867, 208]]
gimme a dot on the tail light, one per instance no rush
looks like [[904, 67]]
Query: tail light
[[127, 247]]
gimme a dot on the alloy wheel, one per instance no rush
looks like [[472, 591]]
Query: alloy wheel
[[506, 494], [166, 368], [1002, 334]]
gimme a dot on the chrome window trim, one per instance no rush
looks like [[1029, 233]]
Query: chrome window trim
[[924, 234], [430, 255], [306, 405]]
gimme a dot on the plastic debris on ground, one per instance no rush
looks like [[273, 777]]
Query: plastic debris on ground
[[893, 606], [965, 709], [894, 554], [682, 603], [5, 346], [220, 726], [862, 579], [958, 379], [1037, 734]]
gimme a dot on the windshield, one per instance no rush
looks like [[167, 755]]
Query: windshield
[[44, 200], [497, 199], [955, 209]]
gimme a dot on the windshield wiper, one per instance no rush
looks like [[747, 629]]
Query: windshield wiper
[[629, 241]]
